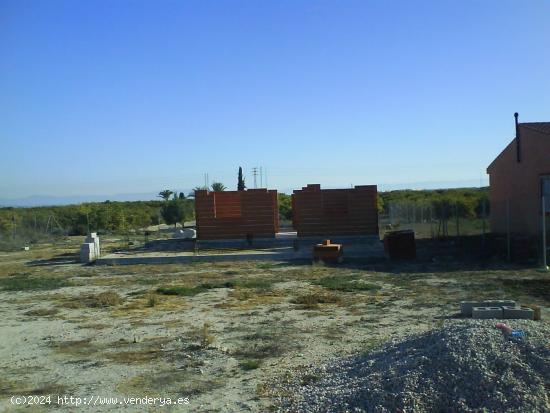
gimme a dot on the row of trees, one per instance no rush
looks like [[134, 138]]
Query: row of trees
[[464, 202], [79, 219], [175, 208]]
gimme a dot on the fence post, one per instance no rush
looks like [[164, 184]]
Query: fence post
[[457, 223], [483, 212], [508, 246], [544, 263]]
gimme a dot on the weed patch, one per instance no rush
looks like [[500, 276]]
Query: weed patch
[[22, 283], [347, 283], [312, 300]]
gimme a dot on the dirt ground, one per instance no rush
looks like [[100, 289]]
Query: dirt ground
[[217, 334]]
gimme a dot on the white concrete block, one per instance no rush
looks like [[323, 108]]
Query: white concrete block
[[92, 237], [87, 252]]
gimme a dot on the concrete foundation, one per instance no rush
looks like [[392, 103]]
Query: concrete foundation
[[487, 312], [466, 307], [522, 313]]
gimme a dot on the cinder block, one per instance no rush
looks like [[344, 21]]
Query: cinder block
[[500, 303], [523, 313], [487, 312], [467, 306]]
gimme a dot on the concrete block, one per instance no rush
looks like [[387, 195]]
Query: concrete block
[[523, 313], [87, 252], [487, 312], [466, 307], [500, 303], [92, 237]]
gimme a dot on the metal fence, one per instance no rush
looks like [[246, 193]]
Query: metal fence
[[517, 227]]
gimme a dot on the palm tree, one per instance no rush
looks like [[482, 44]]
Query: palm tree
[[195, 189], [165, 194], [218, 187]]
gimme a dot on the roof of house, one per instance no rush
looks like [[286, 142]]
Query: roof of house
[[540, 127]]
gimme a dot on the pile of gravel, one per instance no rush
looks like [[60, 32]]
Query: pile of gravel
[[465, 366]]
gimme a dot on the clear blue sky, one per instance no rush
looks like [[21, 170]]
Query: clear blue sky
[[104, 97]]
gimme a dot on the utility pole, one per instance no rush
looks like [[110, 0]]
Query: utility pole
[[261, 178], [255, 174]]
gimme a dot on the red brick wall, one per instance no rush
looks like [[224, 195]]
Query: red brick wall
[[327, 212], [235, 214], [515, 187]]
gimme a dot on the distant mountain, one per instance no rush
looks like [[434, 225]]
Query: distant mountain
[[46, 200]]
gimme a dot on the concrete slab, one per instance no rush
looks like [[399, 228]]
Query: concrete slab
[[522, 313], [487, 312]]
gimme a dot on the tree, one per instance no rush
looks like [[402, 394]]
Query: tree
[[195, 189], [173, 212], [240, 184], [218, 187], [181, 196], [165, 194], [285, 206]]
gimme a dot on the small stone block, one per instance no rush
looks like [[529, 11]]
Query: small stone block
[[522, 313], [487, 312]]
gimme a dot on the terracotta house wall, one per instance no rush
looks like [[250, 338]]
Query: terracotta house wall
[[236, 214], [515, 188], [325, 212]]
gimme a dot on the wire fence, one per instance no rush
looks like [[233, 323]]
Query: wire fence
[[516, 228]]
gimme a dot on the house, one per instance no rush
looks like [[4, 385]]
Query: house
[[236, 214], [518, 178], [326, 212]]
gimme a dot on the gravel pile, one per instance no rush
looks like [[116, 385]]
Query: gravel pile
[[465, 366]]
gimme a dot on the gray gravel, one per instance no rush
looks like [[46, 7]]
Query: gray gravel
[[465, 366]]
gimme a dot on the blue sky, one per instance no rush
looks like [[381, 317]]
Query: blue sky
[[105, 97]]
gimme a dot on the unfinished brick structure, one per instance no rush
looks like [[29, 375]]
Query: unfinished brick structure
[[326, 212], [236, 214]]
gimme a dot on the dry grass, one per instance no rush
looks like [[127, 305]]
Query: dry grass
[[104, 299], [42, 312], [311, 301], [202, 336]]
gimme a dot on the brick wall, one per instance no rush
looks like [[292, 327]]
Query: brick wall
[[325, 212], [236, 214]]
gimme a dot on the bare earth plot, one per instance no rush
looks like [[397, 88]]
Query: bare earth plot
[[217, 333]]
